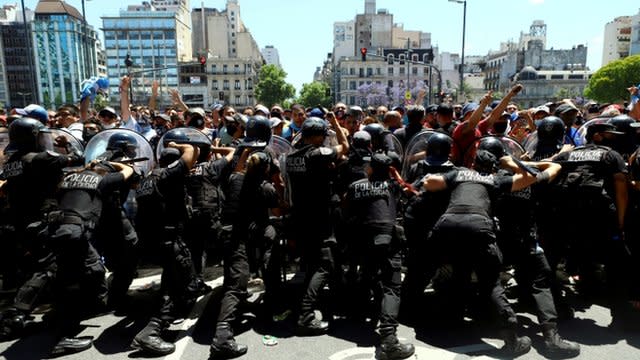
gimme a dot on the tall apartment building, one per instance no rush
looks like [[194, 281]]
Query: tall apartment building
[[271, 56], [155, 36], [233, 60], [65, 52], [617, 39], [17, 80], [634, 49]]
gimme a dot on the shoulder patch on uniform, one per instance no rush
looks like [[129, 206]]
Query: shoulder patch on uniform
[[326, 150]]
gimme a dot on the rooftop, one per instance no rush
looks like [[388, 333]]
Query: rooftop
[[57, 7]]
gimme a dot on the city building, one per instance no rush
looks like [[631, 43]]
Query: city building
[[271, 56], [155, 37], [617, 39], [397, 60], [199, 30], [17, 81], [634, 48], [64, 52], [233, 61], [541, 86]]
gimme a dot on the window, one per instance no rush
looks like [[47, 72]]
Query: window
[[214, 85], [401, 71], [214, 69], [369, 72], [225, 85], [236, 69], [414, 70], [378, 71], [224, 68], [557, 77], [576, 76], [352, 71], [237, 85], [414, 57], [390, 71], [352, 85], [390, 83], [361, 72], [390, 59], [238, 100]]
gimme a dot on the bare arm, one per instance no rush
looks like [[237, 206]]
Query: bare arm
[[343, 144], [189, 153], [125, 170], [476, 116], [434, 183], [523, 179], [125, 82], [227, 152], [177, 100], [495, 113], [154, 95], [635, 110], [84, 109]]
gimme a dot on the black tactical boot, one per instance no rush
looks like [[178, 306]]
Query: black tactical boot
[[515, 346], [69, 345], [392, 349], [555, 346], [311, 326], [224, 346], [149, 340]]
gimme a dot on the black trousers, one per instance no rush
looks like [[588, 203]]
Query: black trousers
[[421, 262], [236, 274], [201, 231], [80, 286], [469, 244]]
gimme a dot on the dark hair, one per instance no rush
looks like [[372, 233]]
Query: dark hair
[[415, 113], [297, 107], [70, 108]]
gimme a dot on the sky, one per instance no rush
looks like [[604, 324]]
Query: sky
[[302, 30]]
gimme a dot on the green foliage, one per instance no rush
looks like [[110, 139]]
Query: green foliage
[[271, 87], [101, 102], [610, 83], [564, 93], [314, 94]]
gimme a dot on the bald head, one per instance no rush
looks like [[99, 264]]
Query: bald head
[[392, 120]]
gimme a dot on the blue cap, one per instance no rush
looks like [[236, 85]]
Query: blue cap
[[35, 112], [469, 108], [316, 113]]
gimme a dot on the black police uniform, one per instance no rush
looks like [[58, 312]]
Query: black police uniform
[[162, 200], [251, 230], [586, 222], [466, 233], [203, 226], [405, 134], [309, 169], [420, 215], [80, 286]]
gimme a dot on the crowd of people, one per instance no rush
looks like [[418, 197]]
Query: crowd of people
[[374, 204]]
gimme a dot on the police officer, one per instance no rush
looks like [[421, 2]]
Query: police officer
[[466, 233], [116, 237], [310, 169], [592, 192], [415, 116], [550, 132], [421, 214], [162, 196], [518, 242], [204, 189], [32, 174], [371, 209], [80, 288], [381, 138], [251, 230]]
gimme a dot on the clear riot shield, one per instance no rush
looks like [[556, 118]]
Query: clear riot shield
[[511, 146], [416, 150], [142, 150], [582, 130], [329, 141], [185, 135]]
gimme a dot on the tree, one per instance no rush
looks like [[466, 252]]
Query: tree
[[314, 94], [610, 83], [271, 87], [372, 94], [101, 102]]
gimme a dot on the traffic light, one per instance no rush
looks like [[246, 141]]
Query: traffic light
[[203, 62], [363, 52]]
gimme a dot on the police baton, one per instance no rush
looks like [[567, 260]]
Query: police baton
[[134, 160], [396, 175], [522, 166]]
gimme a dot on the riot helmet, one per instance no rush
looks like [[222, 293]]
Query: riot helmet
[[377, 132], [314, 126], [258, 131], [361, 140], [190, 136], [122, 144], [626, 143], [24, 135], [168, 156], [485, 162], [493, 145], [438, 148]]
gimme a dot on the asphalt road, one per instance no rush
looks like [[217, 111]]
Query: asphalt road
[[348, 340]]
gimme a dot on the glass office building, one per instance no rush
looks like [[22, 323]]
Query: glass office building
[[64, 51]]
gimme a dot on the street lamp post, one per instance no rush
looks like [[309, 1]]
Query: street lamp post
[[464, 25]]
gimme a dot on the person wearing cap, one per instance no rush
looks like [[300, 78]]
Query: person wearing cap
[[277, 125], [261, 110], [540, 113], [568, 113], [430, 121], [108, 118], [370, 210], [471, 128], [592, 192], [34, 111], [309, 168], [298, 115]]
